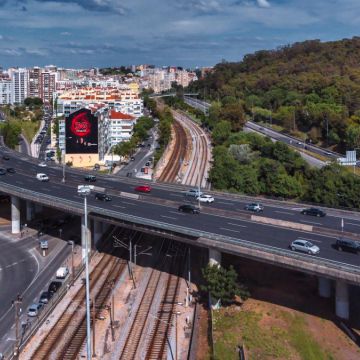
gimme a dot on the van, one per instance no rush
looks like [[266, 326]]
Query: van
[[42, 177], [62, 272]]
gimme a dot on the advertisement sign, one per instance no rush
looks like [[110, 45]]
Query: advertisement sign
[[81, 131]]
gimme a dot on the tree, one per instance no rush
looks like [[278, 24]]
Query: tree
[[221, 132], [11, 133], [353, 136], [222, 284], [234, 113], [242, 153]]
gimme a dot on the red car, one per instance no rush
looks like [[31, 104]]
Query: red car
[[143, 188]]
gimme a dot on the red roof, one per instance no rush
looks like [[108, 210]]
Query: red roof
[[119, 115]]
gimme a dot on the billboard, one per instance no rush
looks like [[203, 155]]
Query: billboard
[[81, 132]]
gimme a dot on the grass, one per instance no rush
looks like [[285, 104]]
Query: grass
[[29, 129]]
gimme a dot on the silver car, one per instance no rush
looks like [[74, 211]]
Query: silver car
[[305, 246], [34, 309], [193, 192]]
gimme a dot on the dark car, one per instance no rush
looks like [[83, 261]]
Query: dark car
[[147, 163], [54, 287], [45, 297], [11, 170], [132, 158], [189, 209], [2, 171], [90, 178], [102, 197], [5, 157], [129, 174], [347, 245], [313, 212]]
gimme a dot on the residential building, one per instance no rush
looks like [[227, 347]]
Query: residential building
[[47, 86], [121, 127], [19, 85], [5, 91], [34, 82]]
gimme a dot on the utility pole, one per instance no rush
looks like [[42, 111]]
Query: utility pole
[[63, 161], [93, 319]]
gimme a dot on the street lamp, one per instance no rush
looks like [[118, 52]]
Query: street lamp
[[63, 161], [84, 191]]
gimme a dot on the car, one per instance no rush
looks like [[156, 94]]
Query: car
[[96, 167], [42, 177], [34, 309], [44, 297], [313, 212], [2, 171], [256, 207], [129, 174], [188, 208], [5, 157], [347, 245], [42, 164], [193, 192], [328, 153], [143, 188], [62, 272], [299, 142], [205, 198], [90, 178], [44, 245], [304, 246], [11, 170], [132, 158], [102, 197], [147, 163], [54, 287]]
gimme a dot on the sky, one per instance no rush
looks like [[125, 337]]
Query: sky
[[188, 33]]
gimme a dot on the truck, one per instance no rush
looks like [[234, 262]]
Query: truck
[[62, 272]]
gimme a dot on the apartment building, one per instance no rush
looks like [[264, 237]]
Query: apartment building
[[120, 126], [47, 86], [34, 82], [19, 85], [5, 91]]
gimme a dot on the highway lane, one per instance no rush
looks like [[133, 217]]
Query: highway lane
[[278, 237], [283, 211]]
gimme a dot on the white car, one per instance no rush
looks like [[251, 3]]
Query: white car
[[305, 246], [42, 164], [193, 192], [62, 272], [42, 177], [205, 198]]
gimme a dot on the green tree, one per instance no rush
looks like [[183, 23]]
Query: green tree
[[353, 136], [221, 132]]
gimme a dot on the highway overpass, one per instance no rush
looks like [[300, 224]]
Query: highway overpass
[[223, 226]]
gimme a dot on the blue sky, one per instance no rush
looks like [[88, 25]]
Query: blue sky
[[86, 33]]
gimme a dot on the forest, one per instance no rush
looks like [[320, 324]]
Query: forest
[[310, 89]]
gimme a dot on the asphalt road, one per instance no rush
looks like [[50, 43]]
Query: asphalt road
[[278, 237]]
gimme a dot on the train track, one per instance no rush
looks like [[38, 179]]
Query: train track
[[65, 339], [173, 167]]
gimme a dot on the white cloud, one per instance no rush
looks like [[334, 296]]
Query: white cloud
[[65, 33], [263, 3]]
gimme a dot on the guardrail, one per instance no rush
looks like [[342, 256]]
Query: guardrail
[[176, 229]]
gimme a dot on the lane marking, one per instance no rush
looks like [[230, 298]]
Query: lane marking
[[177, 213], [230, 230], [179, 195], [311, 240], [168, 217], [223, 202], [352, 224], [310, 222], [119, 206], [237, 225], [284, 212], [129, 203]]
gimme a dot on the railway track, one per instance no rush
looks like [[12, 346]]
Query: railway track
[[172, 168], [67, 336]]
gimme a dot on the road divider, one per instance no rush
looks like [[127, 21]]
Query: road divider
[[282, 223], [129, 195]]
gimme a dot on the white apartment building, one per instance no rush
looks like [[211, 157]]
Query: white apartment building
[[19, 83], [121, 126], [5, 92]]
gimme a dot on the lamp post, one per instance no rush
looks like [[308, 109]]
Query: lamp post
[[63, 161], [84, 191]]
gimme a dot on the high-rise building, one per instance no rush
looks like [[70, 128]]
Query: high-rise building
[[34, 82], [19, 84], [5, 91], [47, 86]]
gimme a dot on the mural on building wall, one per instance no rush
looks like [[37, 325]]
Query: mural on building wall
[[81, 129]]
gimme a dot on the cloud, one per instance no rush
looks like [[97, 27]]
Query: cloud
[[65, 33], [201, 6], [263, 3]]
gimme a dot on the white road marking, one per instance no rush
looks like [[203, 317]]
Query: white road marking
[[168, 217], [230, 230], [237, 225], [47, 189], [119, 206], [311, 240], [176, 213], [351, 224], [129, 203], [310, 222], [223, 202], [284, 212], [179, 195]]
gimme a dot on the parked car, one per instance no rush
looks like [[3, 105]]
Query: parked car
[[102, 197], [305, 246], [193, 192], [42, 177], [256, 207], [42, 164], [188, 208], [205, 198], [54, 286], [62, 272], [132, 158], [347, 245], [147, 163], [143, 188], [34, 309], [44, 297], [90, 178], [313, 212], [11, 170], [2, 171]]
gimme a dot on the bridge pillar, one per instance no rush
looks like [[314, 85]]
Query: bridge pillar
[[15, 215], [214, 257], [97, 230], [342, 299], [85, 231], [29, 210], [324, 287]]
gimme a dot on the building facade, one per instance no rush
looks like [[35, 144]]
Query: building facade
[[19, 86]]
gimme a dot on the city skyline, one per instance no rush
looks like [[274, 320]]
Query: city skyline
[[101, 33]]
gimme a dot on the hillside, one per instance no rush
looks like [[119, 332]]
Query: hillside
[[309, 88]]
